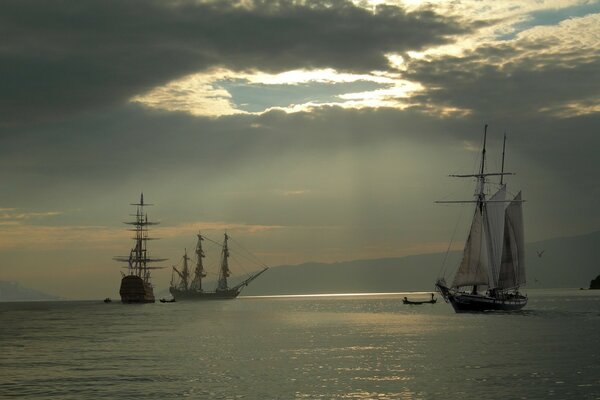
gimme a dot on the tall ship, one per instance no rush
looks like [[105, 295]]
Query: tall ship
[[492, 268], [135, 285], [185, 287]]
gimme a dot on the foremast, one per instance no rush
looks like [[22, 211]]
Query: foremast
[[138, 260], [184, 274], [199, 271]]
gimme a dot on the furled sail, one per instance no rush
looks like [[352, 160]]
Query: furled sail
[[473, 267], [494, 229], [512, 270]]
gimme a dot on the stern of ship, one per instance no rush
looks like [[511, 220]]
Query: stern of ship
[[135, 290]]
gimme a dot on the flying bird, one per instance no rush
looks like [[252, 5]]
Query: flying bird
[[539, 253]]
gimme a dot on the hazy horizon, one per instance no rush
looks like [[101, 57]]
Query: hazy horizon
[[409, 273]]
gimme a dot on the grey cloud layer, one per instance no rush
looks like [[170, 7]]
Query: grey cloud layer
[[508, 81], [59, 59]]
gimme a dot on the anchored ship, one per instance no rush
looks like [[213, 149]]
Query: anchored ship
[[135, 285], [493, 264], [184, 288]]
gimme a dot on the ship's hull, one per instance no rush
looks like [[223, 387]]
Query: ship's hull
[[135, 290], [196, 295], [463, 302], [466, 302]]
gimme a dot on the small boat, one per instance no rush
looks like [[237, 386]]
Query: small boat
[[107, 300], [168, 301], [414, 302]]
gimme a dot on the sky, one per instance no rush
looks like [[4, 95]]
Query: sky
[[307, 130]]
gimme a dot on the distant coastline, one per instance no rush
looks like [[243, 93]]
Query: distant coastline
[[13, 291]]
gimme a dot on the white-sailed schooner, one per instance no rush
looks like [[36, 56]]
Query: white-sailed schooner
[[492, 269]]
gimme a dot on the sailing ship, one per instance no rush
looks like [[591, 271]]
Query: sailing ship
[[135, 285], [493, 264], [182, 288]]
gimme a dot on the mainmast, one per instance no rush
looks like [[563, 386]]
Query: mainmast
[[139, 259], [503, 150], [224, 272], [481, 178], [199, 271]]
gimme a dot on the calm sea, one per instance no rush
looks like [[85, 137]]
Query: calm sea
[[336, 347]]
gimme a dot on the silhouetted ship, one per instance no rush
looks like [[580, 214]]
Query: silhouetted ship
[[135, 285], [493, 263], [184, 289]]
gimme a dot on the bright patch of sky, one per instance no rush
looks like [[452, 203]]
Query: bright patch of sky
[[226, 92], [260, 97], [551, 17], [563, 24]]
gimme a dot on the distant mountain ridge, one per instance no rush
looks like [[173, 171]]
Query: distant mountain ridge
[[13, 291], [565, 262]]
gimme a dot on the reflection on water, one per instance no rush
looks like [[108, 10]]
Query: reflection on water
[[345, 347]]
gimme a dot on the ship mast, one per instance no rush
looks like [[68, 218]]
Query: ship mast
[[224, 272], [138, 259], [481, 177], [185, 273], [199, 271], [503, 150], [481, 192]]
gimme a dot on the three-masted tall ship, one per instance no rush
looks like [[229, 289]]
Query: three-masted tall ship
[[135, 285], [493, 264], [184, 288]]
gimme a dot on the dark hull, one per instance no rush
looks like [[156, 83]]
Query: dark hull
[[135, 290], [465, 302], [419, 302], [196, 295], [477, 303]]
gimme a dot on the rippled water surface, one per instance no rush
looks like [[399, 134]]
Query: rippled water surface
[[344, 347]]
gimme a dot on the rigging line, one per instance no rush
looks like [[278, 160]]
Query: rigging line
[[239, 264], [212, 241], [253, 261], [239, 245], [443, 268], [256, 259]]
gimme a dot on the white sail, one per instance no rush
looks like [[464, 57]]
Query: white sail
[[512, 270], [473, 267], [494, 233]]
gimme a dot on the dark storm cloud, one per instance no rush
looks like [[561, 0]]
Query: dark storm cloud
[[57, 58], [509, 81]]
